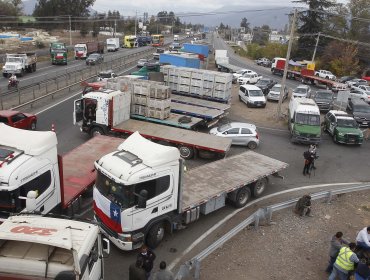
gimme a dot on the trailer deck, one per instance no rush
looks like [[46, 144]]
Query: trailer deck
[[76, 168], [176, 136], [198, 102], [204, 183], [174, 120], [207, 114], [229, 67]]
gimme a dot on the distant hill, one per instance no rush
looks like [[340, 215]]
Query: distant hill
[[275, 17]]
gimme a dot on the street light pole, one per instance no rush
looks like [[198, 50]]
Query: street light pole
[[135, 21], [317, 43], [283, 82], [70, 31]]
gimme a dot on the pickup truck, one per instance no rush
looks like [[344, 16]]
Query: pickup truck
[[249, 78], [18, 120], [325, 74]]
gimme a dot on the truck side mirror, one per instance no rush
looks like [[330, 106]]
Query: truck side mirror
[[143, 197], [31, 201], [106, 247]]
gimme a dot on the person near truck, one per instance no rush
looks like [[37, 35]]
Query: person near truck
[[308, 159], [136, 271], [363, 271], [345, 263], [164, 273], [147, 256], [336, 243], [363, 239]]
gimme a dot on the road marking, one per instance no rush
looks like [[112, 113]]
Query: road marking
[[228, 217]]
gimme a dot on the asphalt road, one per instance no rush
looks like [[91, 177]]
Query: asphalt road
[[337, 163]]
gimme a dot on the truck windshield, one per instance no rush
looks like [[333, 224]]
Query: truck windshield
[[307, 119], [80, 49], [118, 193], [255, 93], [13, 59], [347, 123]]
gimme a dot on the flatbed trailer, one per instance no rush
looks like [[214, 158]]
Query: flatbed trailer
[[208, 114], [203, 184], [174, 120], [184, 139], [199, 102], [227, 67], [76, 169]]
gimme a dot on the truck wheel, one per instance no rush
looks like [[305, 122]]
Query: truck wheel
[[155, 235], [33, 126], [259, 187], [186, 152], [252, 145], [96, 131], [242, 197], [335, 140]]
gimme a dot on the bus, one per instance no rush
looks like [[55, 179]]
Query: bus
[[157, 40]]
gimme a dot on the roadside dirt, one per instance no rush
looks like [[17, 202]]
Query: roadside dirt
[[291, 248]]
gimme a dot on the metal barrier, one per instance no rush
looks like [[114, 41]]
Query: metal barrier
[[191, 268]]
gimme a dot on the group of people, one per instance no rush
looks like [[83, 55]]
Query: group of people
[[142, 268], [309, 160], [344, 262]]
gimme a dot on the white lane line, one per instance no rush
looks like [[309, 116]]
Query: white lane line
[[228, 217]]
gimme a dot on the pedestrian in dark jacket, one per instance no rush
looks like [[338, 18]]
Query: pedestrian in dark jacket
[[147, 256], [303, 206], [136, 271], [307, 162], [336, 243], [363, 271], [164, 273]]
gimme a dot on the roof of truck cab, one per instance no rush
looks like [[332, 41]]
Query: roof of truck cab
[[67, 234], [31, 142]]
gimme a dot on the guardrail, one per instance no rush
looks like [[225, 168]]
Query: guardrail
[[191, 268]]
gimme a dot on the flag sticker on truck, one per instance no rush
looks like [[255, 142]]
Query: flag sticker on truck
[[33, 230]]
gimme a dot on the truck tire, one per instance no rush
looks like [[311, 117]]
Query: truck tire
[[242, 197], [186, 152], [259, 187], [252, 145], [96, 131], [335, 140], [155, 235], [33, 126]]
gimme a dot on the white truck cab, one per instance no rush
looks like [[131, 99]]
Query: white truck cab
[[35, 247]]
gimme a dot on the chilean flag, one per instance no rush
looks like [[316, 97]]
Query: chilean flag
[[107, 211]]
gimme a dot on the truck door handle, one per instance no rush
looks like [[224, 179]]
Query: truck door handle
[[155, 210]]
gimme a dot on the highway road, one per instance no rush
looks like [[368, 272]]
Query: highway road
[[337, 163]]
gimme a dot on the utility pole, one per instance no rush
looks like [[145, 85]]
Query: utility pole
[[283, 82], [135, 21], [115, 27], [70, 31], [317, 43]]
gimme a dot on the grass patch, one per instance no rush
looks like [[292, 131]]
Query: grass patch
[[240, 51]]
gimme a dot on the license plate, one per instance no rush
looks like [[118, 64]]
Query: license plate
[[258, 104], [59, 54], [364, 123]]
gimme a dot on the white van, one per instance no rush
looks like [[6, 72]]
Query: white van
[[252, 96]]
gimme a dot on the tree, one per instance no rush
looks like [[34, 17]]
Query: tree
[[311, 22], [7, 8], [360, 23], [337, 24], [245, 24]]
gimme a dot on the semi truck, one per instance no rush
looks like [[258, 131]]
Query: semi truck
[[146, 185], [19, 64], [304, 73], [304, 121], [83, 50], [107, 111], [130, 41], [112, 44], [35, 247], [222, 62], [29, 162], [58, 53]]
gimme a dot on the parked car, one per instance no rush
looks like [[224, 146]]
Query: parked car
[[142, 62], [105, 75], [252, 96], [325, 74], [346, 79], [360, 111], [94, 58], [244, 134], [342, 127], [301, 91], [274, 93], [249, 78], [265, 84], [18, 120], [264, 62], [357, 82], [324, 99], [360, 92], [240, 73]]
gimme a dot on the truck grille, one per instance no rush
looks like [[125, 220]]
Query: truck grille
[[105, 228], [10, 67], [351, 138]]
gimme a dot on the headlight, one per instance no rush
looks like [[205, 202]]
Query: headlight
[[297, 132], [340, 134], [125, 237]]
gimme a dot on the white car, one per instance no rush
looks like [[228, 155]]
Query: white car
[[301, 91], [274, 93], [252, 96], [244, 134], [356, 83], [360, 92], [240, 73], [105, 75], [249, 78], [325, 74]]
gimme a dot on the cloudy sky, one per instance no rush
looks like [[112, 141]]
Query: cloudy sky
[[185, 6]]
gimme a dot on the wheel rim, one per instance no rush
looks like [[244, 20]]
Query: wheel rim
[[242, 198], [185, 152], [160, 233], [259, 187], [252, 145]]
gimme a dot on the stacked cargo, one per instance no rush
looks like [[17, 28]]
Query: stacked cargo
[[196, 82], [148, 98]]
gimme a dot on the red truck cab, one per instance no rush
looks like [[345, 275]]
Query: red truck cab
[[18, 120]]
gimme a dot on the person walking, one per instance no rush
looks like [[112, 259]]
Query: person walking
[[345, 263], [336, 243], [363, 271], [136, 271], [363, 239], [164, 273], [308, 158], [147, 257]]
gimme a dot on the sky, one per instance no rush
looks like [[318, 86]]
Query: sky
[[184, 6]]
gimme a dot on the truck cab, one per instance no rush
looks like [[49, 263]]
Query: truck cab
[[136, 192], [26, 166], [80, 51], [304, 121]]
